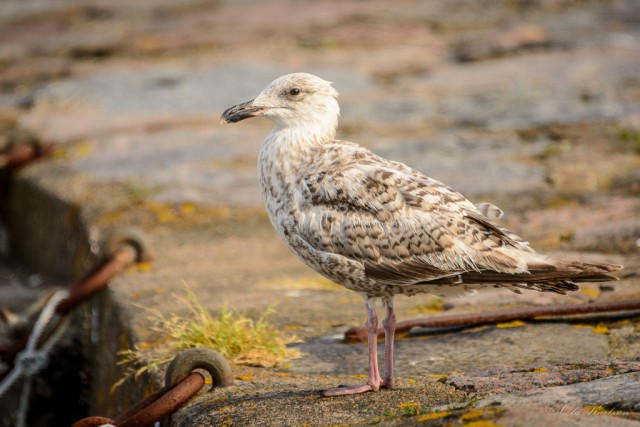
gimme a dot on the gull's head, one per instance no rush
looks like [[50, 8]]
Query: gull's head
[[292, 101]]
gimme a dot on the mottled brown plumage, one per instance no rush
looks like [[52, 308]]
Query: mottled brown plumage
[[379, 227]]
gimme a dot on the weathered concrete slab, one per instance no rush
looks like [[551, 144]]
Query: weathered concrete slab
[[466, 351], [521, 415], [616, 396]]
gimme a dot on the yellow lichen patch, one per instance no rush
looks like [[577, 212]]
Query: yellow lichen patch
[[479, 413], [514, 324], [439, 377], [165, 215], [244, 377], [433, 416], [408, 404], [540, 370], [187, 208], [595, 409], [144, 266], [581, 325], [473, 414], [81, 149], [600, 329]]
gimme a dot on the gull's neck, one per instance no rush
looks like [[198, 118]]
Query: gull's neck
[[300, 139]]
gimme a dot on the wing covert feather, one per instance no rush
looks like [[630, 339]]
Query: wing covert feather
[[404, 227]]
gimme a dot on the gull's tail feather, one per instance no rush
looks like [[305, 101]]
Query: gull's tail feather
[[552, 275]]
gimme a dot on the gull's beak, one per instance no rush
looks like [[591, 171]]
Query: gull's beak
[[241, 112]]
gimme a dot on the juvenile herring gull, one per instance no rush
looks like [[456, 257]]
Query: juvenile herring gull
[[377, 226]]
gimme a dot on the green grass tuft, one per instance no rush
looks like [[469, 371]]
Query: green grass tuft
[[237, 336]]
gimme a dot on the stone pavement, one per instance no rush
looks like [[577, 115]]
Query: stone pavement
[[531, 105]]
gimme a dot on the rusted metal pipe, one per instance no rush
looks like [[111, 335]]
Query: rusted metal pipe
[[181, 384], [140, 405], [166, 402], [359, 334], [23, 154], [98, 278]]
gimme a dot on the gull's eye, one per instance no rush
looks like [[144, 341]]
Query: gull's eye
[[294, 91]]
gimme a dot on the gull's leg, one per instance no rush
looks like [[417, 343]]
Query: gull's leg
[[373, 384], [389, 325]]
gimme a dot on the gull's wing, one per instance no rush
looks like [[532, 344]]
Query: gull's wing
[[403, 226]]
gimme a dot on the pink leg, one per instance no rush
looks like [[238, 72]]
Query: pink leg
[[373, 384], [389, 325]]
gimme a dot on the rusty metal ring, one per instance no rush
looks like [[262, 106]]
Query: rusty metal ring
[[130, 236], [200, 358]]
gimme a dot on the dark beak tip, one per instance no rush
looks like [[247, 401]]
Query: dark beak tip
[[238, 112]]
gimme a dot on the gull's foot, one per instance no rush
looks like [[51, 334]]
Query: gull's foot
[[349, 389], [388, 384]]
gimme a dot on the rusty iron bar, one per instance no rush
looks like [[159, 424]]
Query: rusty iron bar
[[163, 403], [85, 287], [141, 405], [359, 334], [98, 277], [182, 382], [92, 422], [23, 154], [154, 408]]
